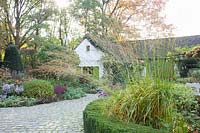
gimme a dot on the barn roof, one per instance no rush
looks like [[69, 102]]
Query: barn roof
[[143, 48]]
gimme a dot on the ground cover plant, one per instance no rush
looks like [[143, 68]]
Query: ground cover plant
[[72, 93], [187, 104], [17, 101]]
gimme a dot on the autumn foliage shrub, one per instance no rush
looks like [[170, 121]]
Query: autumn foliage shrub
[[52, 70], [5, 74], [38, 89], [56, 63], [195, 52]]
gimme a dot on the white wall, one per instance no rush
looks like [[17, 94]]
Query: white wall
[[90, 58]]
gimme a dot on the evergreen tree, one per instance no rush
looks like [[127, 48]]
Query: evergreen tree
[[12, 58]]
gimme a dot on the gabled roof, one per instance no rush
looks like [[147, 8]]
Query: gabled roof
[[185, 41], [143, 48], [92, 42]]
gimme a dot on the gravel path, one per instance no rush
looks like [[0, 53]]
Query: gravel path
[[59, 117]]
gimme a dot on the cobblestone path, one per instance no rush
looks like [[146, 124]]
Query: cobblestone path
[[59, 117]]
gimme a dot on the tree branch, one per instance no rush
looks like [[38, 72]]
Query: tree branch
[[115, 7]]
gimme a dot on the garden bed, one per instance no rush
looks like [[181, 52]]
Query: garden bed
[[36, 92], [96, 122]]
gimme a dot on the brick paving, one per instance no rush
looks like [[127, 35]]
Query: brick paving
[[59, 117]]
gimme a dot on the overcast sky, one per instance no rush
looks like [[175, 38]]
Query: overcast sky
[[183, 14]]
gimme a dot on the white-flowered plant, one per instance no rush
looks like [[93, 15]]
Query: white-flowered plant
[[11, 88], [19, 89], [7, 89], [2, 97]]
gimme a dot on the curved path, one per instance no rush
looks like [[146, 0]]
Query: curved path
[[59, 117]]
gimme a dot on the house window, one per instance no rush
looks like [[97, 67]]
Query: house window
[[88, 48]]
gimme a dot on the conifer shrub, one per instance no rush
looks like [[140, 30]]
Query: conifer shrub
[[12, 58]]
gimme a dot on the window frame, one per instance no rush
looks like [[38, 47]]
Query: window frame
[[88, 48]]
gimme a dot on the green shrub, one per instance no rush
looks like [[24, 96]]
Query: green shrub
[[16, 101], [38, 89], [184, 96], [187, 63], [73, 94], [195, 74], [186, 104], [185, 80], [51, 52], [28, 57], [96, 122], [12, 58], [88, 88]]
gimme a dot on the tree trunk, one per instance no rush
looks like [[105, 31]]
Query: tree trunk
[[17, 25]]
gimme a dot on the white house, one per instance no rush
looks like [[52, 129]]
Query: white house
[[91, 54], [90, 57]]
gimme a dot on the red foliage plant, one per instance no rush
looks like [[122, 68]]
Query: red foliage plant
[[58, 89]]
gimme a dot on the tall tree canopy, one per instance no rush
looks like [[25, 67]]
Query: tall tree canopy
[[23, 18], [121, 18]]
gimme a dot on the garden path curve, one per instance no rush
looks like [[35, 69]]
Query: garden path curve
[[59, 117]]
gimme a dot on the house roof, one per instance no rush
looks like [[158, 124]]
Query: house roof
[[143, 48]]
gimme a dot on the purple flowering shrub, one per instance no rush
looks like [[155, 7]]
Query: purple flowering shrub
[[58, 89]]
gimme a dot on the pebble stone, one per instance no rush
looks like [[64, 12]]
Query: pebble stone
[[58, 117]]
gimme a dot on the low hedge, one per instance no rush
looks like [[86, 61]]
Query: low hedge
[[96, 122]]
